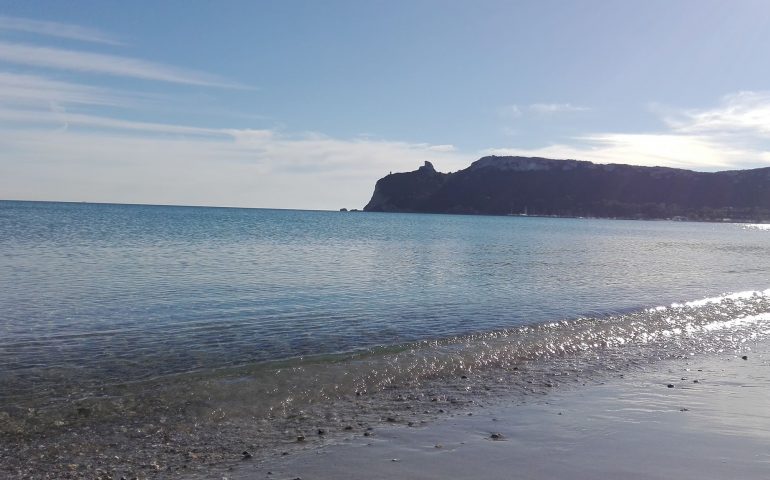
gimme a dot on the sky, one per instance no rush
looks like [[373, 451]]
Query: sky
[[305, 104]]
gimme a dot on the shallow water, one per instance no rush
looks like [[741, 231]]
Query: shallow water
[[96, 298], [137, 335]]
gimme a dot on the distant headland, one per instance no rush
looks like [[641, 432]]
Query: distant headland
[[572, 188]]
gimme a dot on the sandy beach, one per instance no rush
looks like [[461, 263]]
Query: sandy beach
[[700, 418]]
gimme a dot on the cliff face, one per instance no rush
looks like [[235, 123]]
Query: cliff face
[[406, 192], [540, 186]]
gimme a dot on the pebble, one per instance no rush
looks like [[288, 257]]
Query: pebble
[[670, 385], [348, 427], [496, 436], [300, 438], [745, 357], [246, 455], [321, 431]]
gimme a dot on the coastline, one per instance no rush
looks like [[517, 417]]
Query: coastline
[[402, 404], [712, 423]]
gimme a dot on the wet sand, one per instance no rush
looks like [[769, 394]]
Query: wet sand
[[551, 420], [706, 417]]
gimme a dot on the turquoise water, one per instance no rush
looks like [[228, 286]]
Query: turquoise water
[[94, 295]]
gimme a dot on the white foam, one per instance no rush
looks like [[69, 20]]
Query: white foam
[[721, 298]]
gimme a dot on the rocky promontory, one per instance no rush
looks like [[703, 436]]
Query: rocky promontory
[[572, 188]]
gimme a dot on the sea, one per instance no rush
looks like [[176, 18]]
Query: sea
[[289, 317]]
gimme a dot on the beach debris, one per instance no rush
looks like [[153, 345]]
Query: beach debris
[[390, 419], [696, 381], [684, 409], [438, 445], [321, 431], [348, 427], [497, 436], [745, 357], [300, 438], [246, 455], [670, 385]]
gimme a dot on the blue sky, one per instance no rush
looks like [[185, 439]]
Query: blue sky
[[294, 104]]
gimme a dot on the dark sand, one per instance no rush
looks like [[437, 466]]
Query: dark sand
[[633, 426]]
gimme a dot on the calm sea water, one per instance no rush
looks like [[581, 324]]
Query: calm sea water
[[94, 295]]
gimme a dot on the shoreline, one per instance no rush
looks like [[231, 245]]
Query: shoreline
[[711, 423], [216, 426]]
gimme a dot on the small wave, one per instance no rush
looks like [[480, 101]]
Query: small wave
[[756, 226], [343, 385]]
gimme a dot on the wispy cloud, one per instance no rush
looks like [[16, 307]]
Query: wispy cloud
[[73, 60], [442, 148], [734, 134], [541, 109], [26, 89], [60, 118], [555, 108], [56, 29], [738, 113]]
